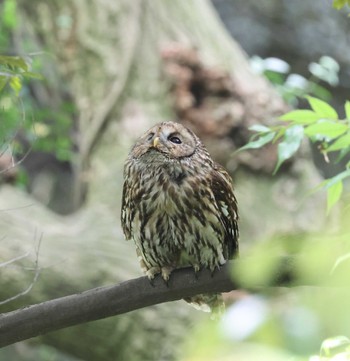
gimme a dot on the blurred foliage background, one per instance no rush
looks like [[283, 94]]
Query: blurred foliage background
[[80, 81]]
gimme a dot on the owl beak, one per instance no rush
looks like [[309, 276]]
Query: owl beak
[[155, 142]]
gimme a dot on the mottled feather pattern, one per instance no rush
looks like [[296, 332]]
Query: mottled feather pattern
[[178, 204]]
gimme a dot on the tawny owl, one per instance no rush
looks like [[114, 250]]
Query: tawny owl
[[178, 205]]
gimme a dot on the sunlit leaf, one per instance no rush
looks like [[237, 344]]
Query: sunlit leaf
[[326, 69], [323, 109], [291, 143], [319, 71], [329, 63], [260, 128], [16, 84], [301, 116], [261, 141], [340, 143], [296, 81], [276, 65], [338, 4], [347, 109], [345, 257], [333, 194], [326, 128], [333, 346]]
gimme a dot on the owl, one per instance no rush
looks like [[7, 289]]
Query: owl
[[178, 206]]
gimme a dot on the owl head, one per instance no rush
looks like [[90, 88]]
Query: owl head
[[168, 139]]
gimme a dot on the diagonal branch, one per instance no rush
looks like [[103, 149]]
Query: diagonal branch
[[114, 300]]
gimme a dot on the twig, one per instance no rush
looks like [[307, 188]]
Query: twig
[[36, 274], [13, 260]]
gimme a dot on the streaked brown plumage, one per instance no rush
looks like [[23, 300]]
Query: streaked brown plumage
[[178, 204]]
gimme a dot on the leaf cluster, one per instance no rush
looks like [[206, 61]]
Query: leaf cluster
[[321, 125], [13, 69], [49, 132], [293, 86], [333, 349], [339, 4]]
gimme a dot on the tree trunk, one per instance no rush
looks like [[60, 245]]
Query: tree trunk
[[107, 58]]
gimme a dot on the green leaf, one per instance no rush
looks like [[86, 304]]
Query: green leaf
[[291, 143], [340, 143], [338, 4], [280, 133], [14, 61], [9, 15], [334, 346], [319, 91], [260, 128], [261, 141], [301, 116], [326, 128], [347, 109], [3, 82], [323, 109], [342, 153], [345, 257], [16, 84], [333, 194], [29, 74]]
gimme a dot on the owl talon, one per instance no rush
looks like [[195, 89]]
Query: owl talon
[[216, 268], [151, 273], [166, 271], [196, 268]]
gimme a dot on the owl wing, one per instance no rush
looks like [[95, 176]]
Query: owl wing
[[226, 202], [131, 195], [126, 209]]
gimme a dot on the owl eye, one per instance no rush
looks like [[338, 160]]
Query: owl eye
[[175, 140], [150, 136]]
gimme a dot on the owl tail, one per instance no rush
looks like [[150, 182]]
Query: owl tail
[[208, 302]]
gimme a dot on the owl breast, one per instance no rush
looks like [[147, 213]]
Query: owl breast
[[175, 220]]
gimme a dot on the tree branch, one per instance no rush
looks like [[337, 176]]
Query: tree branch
[[114, 300]]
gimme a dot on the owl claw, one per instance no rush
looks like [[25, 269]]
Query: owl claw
[[166, 271], [196, 268], [214, 269], [151, 273]]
